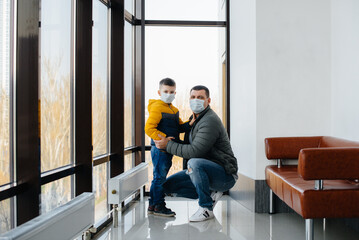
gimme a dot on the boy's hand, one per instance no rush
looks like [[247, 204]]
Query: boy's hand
[[162, 144]]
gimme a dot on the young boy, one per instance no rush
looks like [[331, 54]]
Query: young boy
[[163, 120]]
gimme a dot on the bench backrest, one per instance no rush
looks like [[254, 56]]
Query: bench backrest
[[336, 142]]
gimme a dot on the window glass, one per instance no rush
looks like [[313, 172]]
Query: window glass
[[99, 78], [190, 56], [4, 91], [55, 102], [203, 10], [5, 215], [55, 194], [100, 190], [177, 165], [150, 170], [129, 6], [129, 91], [129, 161]]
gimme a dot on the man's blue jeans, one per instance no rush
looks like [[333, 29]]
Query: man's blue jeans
[[201, 177], [162, 162]]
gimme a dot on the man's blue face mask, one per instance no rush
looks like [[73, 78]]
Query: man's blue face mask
[[197, 105]]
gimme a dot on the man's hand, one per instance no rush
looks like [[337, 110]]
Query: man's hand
[[192, 120], [162, 144]]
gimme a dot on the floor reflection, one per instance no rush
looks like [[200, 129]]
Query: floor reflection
[[161, 228], [232, 221]]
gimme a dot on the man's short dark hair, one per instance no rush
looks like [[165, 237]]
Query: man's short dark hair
[[168, 82], [201, 87]]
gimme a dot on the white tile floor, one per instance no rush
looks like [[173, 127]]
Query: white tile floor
[[232, 221]]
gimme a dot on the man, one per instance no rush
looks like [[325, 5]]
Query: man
[[212, 167]]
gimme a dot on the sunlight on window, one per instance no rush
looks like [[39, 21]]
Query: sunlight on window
[[4, 91], [55, 194], [100, 190], [184, 10], [191, 56], [129, 161], [99, 77], [129, 6], [55, 103], [177, 165], [5, 216], [128, 85]]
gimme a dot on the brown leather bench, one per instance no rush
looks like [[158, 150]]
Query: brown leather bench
[[324, 184]]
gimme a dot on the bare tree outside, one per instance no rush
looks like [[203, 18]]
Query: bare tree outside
[[4, 137], [55, 194], [99, 116], [128, 126], [99, 133], [99, 105], [100, 189], [55, 116], [5, 219], [55, 122]]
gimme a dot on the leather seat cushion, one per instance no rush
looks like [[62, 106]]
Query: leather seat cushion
[[339, 199]]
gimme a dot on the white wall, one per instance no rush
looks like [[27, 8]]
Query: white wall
[[284, 89], [293, 71], [345, 69], [243, 84]]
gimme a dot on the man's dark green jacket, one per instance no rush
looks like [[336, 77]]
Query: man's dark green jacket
[[209, 140]]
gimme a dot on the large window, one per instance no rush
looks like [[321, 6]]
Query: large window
[[5, 215], [100, 177], [55, 101], [6, 172], [129, 94], [189, 54], [99, 78], [200, 10], [55, 194], [57, 34], [129, 6], [59, 58], [100, 104], [4, 92]]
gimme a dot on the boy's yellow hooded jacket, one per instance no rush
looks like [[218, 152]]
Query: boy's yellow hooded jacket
[[164, 119]]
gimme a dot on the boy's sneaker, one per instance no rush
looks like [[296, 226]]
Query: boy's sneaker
[[216, 195], [150, 209], [161, 210], [202, 214]]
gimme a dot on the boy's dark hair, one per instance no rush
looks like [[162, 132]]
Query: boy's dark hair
[[168, 82], [201, 87]]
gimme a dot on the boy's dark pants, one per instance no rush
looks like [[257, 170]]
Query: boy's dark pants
[[162, 162]]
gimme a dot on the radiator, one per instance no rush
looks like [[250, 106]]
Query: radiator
[[127, 183], [65, 222]]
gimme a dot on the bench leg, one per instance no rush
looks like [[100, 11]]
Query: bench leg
[[271, 202], [141, 194], [115, 215], [86, 235], [309, 229]]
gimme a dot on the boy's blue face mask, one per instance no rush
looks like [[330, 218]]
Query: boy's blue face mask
[[197, 105], [167, 97]]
